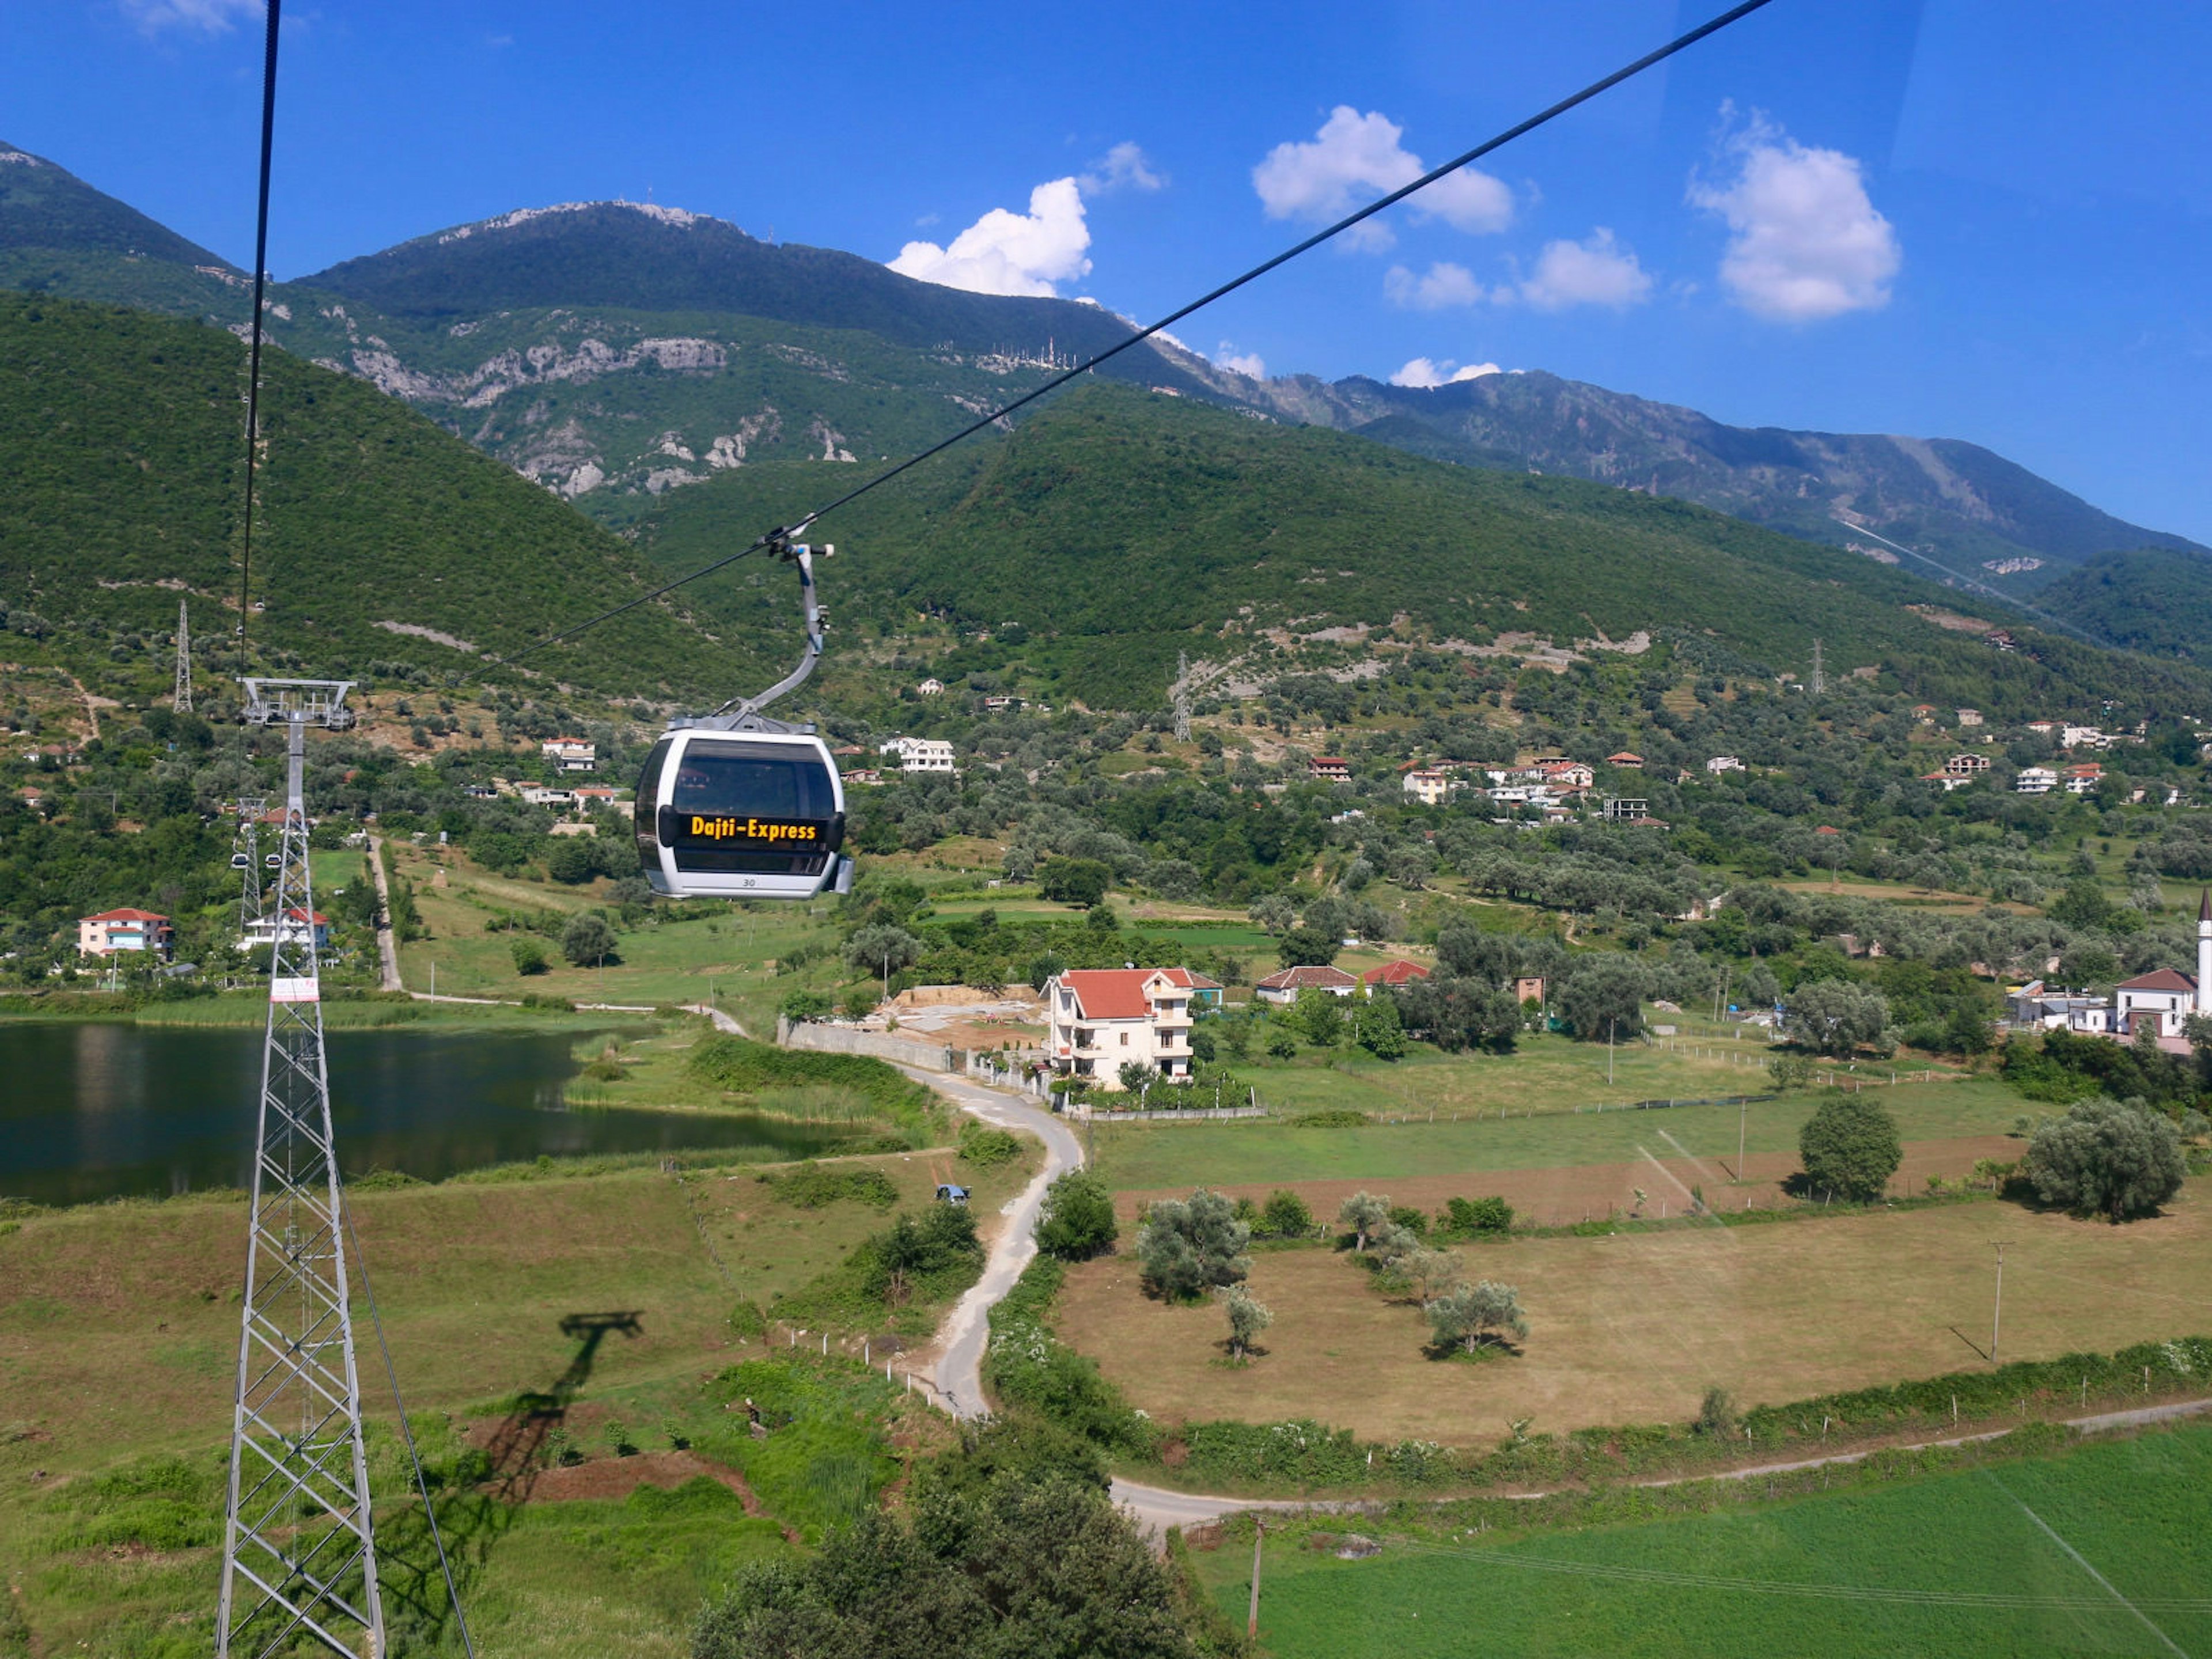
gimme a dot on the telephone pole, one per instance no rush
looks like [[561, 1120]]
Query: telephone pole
[[182, 701], [1996, 1313]]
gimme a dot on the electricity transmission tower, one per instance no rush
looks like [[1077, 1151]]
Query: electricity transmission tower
[[1819, 678], [183, 699], [1181, 693], [299, 1546], [248, 858]]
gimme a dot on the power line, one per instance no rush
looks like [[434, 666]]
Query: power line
[[1680, 43], [253, 350]]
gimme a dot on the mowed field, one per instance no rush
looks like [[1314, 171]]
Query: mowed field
[[2100, 1550], [1635, 1327]]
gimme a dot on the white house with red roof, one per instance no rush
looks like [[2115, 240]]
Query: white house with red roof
[[124, 930], [1097, 1019], [1284, 988]]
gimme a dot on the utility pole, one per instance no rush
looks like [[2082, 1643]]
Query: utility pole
[[1996, 1313], [1252, 1620], [1608, 1053], [1180, 693], [1742, 1116], [182, 699]]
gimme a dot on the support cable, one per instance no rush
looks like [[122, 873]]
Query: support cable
[[253, 350], [406, 1429], [1680, 43]]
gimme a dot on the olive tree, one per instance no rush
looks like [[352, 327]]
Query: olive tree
[[2117, 1159], [1474, 1315], [1835, 1017], [587, 938], [1187, 1248], [1850, 1147], [882, 948], [1603, 997], [1366, 1214], [1247, 1319]]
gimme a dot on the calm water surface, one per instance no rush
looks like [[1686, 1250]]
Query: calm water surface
[[93, 1110]]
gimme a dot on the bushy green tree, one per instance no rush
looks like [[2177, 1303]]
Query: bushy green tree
[[1382, 1030], [1187, 1248], [1318, 1016], [882, 948], [1076, 881], [1835, 1016], [1472, 1315], [1850, 1147], [587, 940], [1076, 1221], [1286, 1215], [803, 1004], [2117, 1159], [528, 956], [1308, 946], [1603, 999]]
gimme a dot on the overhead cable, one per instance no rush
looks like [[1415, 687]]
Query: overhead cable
[[253, 350]]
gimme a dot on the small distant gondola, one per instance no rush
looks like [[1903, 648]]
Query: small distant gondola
[[736, 805]]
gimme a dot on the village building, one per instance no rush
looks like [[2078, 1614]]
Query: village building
[[919, 754], [262, 930], [1720, 763], [2082, 780], [1966, 766], [125, 930], [571, 753], [1970, 716], [1283, 988], [1632, 761], [1527, 990], [1428, 785], [1100, 1018], [1392, 975], [930, 688], [2035, 781], [539, 795], [1329, 768]]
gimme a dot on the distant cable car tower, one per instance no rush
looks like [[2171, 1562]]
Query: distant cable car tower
[[299, 1546], [246, 858], [183, 699]]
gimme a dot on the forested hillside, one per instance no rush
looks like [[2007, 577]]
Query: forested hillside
[[378, 535]]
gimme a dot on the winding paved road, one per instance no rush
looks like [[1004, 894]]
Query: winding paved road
[[958, 1376]]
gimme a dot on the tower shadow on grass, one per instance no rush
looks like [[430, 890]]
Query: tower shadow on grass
[[477, 1497]]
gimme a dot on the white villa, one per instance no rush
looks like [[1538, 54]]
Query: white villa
[[919, 754], [1098, 1018]]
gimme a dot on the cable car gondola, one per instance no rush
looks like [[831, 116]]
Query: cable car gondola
[[736, 805]]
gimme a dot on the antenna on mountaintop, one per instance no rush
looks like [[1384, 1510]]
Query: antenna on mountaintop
[[1819, 679], [183, 699], [1181, 693]]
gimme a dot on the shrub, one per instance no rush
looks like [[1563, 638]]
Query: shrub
[[1465, 1218], [1076, 1221], [1340, 1117], [1474, 1316], [802, 1005], [986, 1147], [1286, 1216], [811, 1187], [1075, 881], [2106, 1158], [529, 957], [1850, 1147], [587, 940], [1413, 1218], [1717, 1412]]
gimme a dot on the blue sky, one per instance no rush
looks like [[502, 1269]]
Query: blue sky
[[1982, 219]]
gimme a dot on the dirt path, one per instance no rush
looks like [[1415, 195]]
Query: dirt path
[[958, 1372], [1157, 1508], [387, 949]]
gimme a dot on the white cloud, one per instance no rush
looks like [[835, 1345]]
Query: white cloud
[[1595, 272], [1805, 242], [1443, 285], [1354, 158], [207, 17], [1425, 371], [1123, 165], [1248, 363], [1008, 253]]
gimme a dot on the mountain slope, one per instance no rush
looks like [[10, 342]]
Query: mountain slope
[[1119, 529], [377, 536], [1995, 522], [2154, 601]]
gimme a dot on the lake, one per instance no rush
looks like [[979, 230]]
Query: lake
[[94, 1110]]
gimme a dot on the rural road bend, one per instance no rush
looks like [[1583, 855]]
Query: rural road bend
[[959, 1372]]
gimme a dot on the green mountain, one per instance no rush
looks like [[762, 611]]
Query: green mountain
[[2153, 600], [1972, 513], [1118, 529], [377, 536], [59, 235]]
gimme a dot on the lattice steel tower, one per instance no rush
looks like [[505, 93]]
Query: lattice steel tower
[[246, 858], [299, 1546], [183, 699], [1182, 692]]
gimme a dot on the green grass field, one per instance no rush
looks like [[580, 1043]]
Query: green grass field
[[1141, 1156], [1963, 1563]]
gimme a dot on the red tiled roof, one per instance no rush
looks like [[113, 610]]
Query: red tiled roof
[[2159, 979], [1294, 979], [1401, 972], [1624, 755], [126, 916], [1118, 993]]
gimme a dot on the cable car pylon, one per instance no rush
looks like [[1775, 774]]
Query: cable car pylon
[[299, 1557]]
